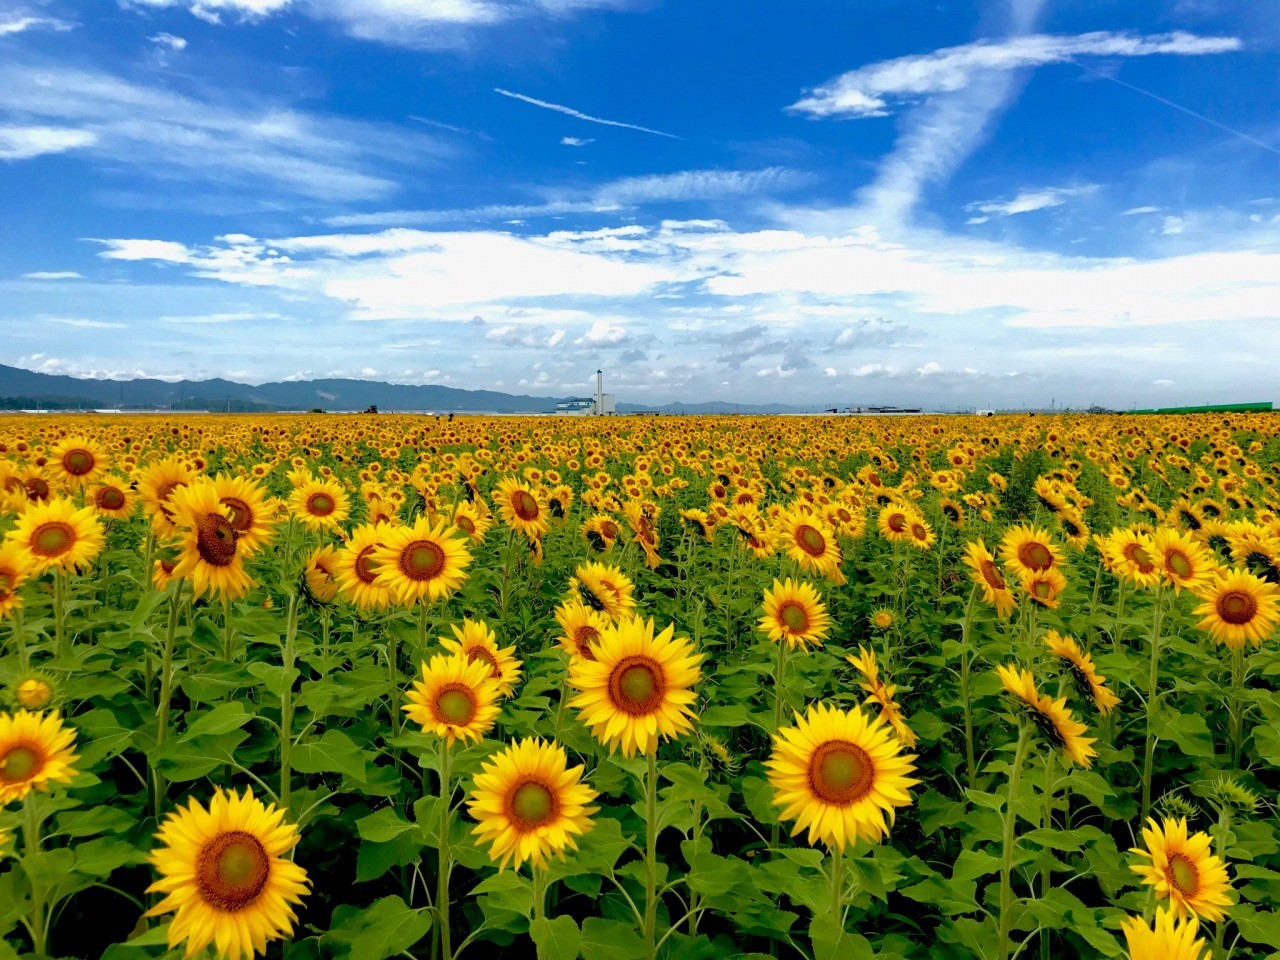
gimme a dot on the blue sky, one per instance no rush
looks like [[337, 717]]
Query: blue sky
[[810, 202]]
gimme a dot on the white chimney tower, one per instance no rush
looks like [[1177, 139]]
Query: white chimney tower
[[599, 393]]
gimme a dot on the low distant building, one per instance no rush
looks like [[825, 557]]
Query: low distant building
[[576, 407]]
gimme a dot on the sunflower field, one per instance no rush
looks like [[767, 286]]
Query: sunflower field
[[328, 687]]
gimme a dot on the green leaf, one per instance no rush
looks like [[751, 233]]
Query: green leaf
[[383, 825], [556, 939], [610, 938], [223, 718], [274, 677], [334, 752], [385, 929]]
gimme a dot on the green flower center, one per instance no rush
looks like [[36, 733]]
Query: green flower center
[[794, 617], [231, 870], [19, 764], [532, 805], [810, 540], [840, 773], [52, 539], [457, 706]]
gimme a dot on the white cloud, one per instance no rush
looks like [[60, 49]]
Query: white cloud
[[1173, 226], [85, 324], [579, 115], [243, 140], [165, 251], [23, 24], [23, 143], [1028, 200], [208, 318], [830, 371], [169, 40], [603, 331], [1134, 211], [53, 275], [577, 141], [212, 11], [871, 91]]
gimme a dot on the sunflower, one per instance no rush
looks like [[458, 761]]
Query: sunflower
[[1168, 939], [1184, 562], [894, 522], [840, 775], [1055, 721], [476, 641], [211, 557], [245, 502], [54, 535], [1027, 550], [455, 699], [639, 687], [111, 498], [530, 804], [883, 618], [1181, 869], [794, 612], [319, 574], [1045, 587], [700, 522], [580, 628], [1134, 556], [34, 690], [15, 567], [319, 504], [35, 751], [921, 535], [78, 461], [1237, 607], [353, 569], [421, 561], [601, 531], [1072, 524], [1088, 681], [472, 521], [156, 485], [603, 588], [810, 543], [953, 510], [995, 589], [882, 693], [225, 875], [522, 507]]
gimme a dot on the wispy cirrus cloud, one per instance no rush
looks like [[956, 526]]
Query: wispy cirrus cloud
[[625, 192], [1028, 201], [873, 90], [235, 140], [23, 143], [12, 25], [579, 115]]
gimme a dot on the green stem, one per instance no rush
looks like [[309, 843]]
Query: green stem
[[1153, 677], [1010, 824], [393, 669], [228, 635], [1235, 706], [446, 864], [166, 695], [1220, 850], [651, 856], [37, 922], [60, 611], [778, 700], [971, 764], [539, 892], [1046, 872], [837, 887], [286, 703]]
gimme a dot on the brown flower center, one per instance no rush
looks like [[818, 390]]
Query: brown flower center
[[810, 540], [991, 573], [531, 805], [241, 513], [6, 585], [793, 617], [584, 637], [361, 565], [231, 870], [1178, 564], [464, 524], [456, 705], [1035, 556], [919, 532], [110, 498], [422, 560], [609, 529], [321, 504], [20, 764], [52, 539], [524, 505], [1183, 875], [1237, 607], [37, 489], [897, 522], [216, 540], [841, 773], [482, 653], [78, 462], [636, 685]]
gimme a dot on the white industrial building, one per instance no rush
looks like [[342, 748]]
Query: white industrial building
[[602, 404]]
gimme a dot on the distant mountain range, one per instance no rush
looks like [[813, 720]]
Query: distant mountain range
[[26, 390]]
